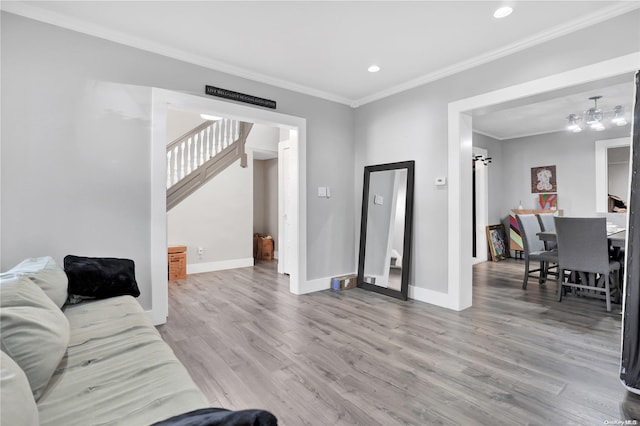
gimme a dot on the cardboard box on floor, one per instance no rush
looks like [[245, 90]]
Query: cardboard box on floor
[[263, 247], [343, 283]]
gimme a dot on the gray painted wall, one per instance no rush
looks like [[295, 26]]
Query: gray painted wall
[[76, 174], [258, 196], [265, 197], [573, 154], [75, 179], [270, 205], [412, 125]]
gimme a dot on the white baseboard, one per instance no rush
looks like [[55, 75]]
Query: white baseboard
[[155, 319], [433, 297], [315, 285], [319, 284], [197, 268]]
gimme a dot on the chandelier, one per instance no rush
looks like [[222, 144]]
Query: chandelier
[[594, 118]]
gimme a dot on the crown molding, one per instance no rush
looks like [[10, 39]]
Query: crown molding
[[39, 14], [81, 26], [520, 135], [558, 31]]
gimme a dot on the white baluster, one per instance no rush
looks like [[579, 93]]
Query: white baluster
[[237, 136], [182, 160], [210, 139], [175, 164], [196, 140], [205, 143], [209, 148], [189, 156], [195, 153], [223, 134], [168, 169]]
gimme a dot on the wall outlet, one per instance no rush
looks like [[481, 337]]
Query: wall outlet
[[200, 251]]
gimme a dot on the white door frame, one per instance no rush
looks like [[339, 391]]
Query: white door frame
[[602, 170], [482, 206], [283, 209], [459, 292], [161, 100]]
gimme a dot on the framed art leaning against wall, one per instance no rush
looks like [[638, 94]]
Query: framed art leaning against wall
[[497, 242]]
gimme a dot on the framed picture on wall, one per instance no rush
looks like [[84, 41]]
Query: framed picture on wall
[[497, 243], [548, 201], [543, 179]]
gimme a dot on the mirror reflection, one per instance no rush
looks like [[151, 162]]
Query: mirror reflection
[[618, 178], [385, 236], [385, 228]]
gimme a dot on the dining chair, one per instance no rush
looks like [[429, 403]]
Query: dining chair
[[548, 225], [534, 250], [583, 248]]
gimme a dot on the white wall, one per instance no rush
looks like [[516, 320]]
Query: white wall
[[75, 174], [263, 139], [181, 122], [495, 176], [413, 125], [217, 217]]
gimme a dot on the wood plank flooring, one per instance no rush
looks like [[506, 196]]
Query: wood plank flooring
[[359, 358]]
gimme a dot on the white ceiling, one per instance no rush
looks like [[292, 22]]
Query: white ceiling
[[547, 112], [323, 48]]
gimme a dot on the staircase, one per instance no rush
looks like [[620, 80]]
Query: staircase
[[197, 156]]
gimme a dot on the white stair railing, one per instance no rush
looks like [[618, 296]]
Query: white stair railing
[[193, 149]]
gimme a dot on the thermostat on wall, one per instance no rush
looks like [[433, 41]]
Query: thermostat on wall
[[441, 181]]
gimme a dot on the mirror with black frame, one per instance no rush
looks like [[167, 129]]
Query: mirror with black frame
[[385, 232]]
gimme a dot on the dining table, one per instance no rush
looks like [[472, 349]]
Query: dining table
[[617, 238]]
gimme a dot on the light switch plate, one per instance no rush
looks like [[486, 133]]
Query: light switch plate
[[322, 191], [441, 181], [378, 199]]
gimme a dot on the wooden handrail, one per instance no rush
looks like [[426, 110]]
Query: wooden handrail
[[189, 134], [203, 152]]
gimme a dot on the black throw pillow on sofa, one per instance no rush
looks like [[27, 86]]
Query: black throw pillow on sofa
[[221, 417], [100, 277]]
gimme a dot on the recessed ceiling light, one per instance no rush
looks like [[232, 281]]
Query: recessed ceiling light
[[502, 12], [373, 68], [210, 117]]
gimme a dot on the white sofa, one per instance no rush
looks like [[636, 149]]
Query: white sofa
[[99, 362]]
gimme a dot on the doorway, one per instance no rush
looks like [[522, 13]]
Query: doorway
[[459, 292], [162, 100]]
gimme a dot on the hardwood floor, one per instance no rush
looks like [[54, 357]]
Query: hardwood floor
[[355, 357]]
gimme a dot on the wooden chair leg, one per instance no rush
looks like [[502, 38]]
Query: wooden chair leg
[[607, 291], [560, 281], [543, 272]]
